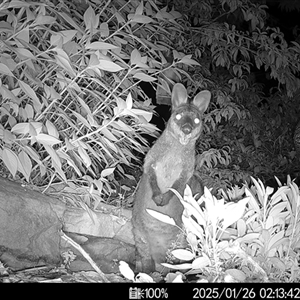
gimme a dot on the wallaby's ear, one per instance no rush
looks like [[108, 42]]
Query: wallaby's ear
[[179, 95], [202, 100]]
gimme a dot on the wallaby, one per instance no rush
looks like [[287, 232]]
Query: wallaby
[[169, 163]]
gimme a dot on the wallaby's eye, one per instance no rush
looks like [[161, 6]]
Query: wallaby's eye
[[178, 117], [197, 121]]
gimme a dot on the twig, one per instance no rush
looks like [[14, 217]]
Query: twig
[[85, 255]]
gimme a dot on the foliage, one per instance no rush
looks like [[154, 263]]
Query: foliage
[[254, 236], [250, 127], [71, 107], [72, 110]]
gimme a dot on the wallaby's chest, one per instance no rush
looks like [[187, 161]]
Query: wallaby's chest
[[167, 170], [169, 163]]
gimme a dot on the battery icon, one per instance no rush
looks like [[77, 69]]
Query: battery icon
[[135, 293]]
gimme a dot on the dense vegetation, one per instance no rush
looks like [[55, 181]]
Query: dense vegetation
[[72, 109], [75, 115]]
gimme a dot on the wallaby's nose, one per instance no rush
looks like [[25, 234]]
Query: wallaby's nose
[[187, 128]]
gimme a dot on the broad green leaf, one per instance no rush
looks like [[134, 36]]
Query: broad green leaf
[[143, 277], [278, 263], [140, 19], [84, 156], [177, 267], [183, 254], [30, 93], [280, 195], [69, 160], [175, 278], [276, 240], [241, 227], [120, 41], [119, 17], [36, 126], [91, 21], [111, 145], [120, 125], [70, 21], [192, 226], [236, 274], [101, 46], [42, 20], [56, 40], [46, 139], [21, 128], [129, 101], [139, 8], [106, 172], [67, 35], [54, 157], [59, 170], [260, 189], [19, 4], [192, 240], [69, 145], [164, 15], [10, 160], [192, 207], [82, 119], [161, 217], [84, 105], [92, 121], [121, 105], [145, 114], [33, 154], [23, 35], [99, 184], [144, 77], [269, 222], [188, 198], [104, 30], [25, 165], [135, 57], [188, 61], [108, 134], [8, 137], [252, 236], [195, 212], [24, 53], [29, 111], [252, 200], [7, 94], [201, 262], [109, 66], [5, 70], [233, 212], [63, 60], [126, 271], [52, 129]]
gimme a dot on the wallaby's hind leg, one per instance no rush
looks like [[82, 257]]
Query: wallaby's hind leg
[[144, 260]]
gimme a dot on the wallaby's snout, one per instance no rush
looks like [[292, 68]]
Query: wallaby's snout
[[187, 127]]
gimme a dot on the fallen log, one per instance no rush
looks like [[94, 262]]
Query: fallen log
[[31, 225]]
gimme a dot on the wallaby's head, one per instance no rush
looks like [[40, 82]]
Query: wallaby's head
[[185, 123]]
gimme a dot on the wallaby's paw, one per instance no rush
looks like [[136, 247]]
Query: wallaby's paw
[[162, 199], [158, 200]]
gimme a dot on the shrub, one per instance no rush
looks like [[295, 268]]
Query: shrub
[[253, 237], [72, 110]]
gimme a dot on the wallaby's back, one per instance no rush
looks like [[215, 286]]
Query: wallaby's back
[[169, 164]]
